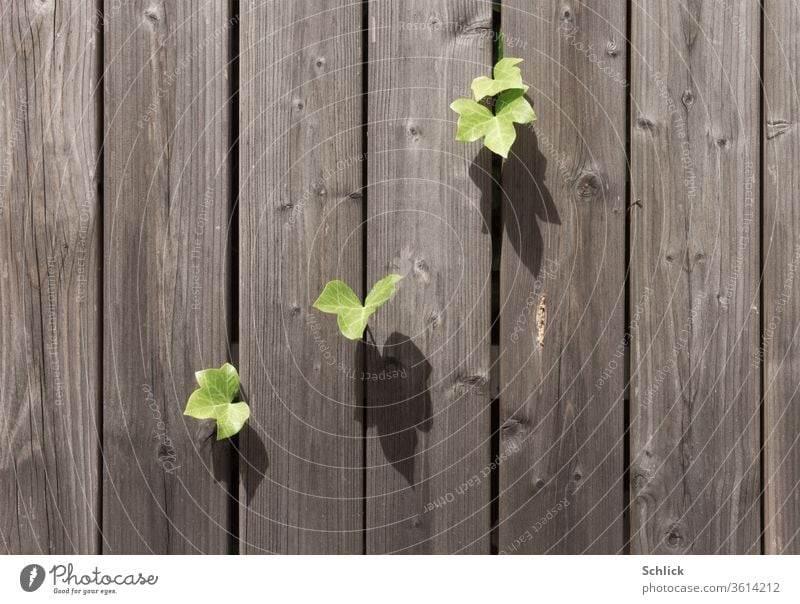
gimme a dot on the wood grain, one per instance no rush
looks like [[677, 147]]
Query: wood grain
[[694, 245], [300, 217], [49, 253], [781, 248], [562, 285], [117, 284], [428, 219], [167, 484]]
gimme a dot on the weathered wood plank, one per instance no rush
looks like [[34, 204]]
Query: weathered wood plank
[[428, 212], [166, 483], [562, 284], [781, 284], [694, 270], [301, 209], [49, 253]]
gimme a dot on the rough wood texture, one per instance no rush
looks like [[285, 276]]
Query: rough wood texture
[[694, 243], [562, 285], [428, 206], [781, 287], [166, 483], [300, 216], [48, 281], [111, 302]]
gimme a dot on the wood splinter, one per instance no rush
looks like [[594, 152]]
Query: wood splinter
[[541, 320]]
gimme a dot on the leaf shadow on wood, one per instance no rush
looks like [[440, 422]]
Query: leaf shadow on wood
[[253, 461], [222, 453], [525, 195], [480, 172], [398, 399], [527, 199]]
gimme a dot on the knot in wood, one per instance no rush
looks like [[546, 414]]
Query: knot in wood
[[151, 14], [513, 427], [434, 319], [421, 270], [639, 482], [413, 132], [674, 538], [588, 185]]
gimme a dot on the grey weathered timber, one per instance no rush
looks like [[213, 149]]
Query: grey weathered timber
[[781, 285], [49, 256], [167, 483], [562, 285], [428, 219], [300, 217], [626, 290], [694, 274]]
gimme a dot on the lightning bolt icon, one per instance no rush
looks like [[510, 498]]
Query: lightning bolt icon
[[34, 573]]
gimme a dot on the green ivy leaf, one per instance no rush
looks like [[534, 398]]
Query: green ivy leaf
[[214, 400], [222, 382], [339, 299], [476, 121], [506, 76], [513, 105], [500, 136], [473, 120], [231, 419]]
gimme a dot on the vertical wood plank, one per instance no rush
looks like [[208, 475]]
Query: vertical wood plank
[[300, 216], [49, 252], [694, 259], [167, 482], [781, 317], [428, 218], [562, 284]]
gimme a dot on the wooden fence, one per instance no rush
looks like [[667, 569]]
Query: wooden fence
[[595, 339]]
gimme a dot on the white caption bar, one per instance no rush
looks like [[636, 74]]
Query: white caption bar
[[400, 579]]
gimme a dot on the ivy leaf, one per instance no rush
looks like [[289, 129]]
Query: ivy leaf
[[473, 120], [214, 400], [476, 121], [381, 292], [506, 76], [222, 382], [500, 136], [513, 105], [339, 299], [231, 419]]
